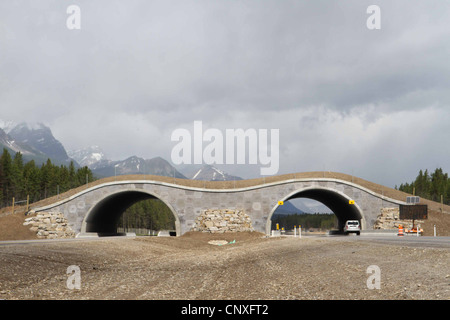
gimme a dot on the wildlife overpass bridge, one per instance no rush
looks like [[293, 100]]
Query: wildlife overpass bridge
[[96, 208]]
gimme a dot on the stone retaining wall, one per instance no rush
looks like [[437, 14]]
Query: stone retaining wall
[[389, 219], [50, 225], [223, 220]]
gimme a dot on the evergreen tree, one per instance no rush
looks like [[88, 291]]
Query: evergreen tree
[[81, 175], [7, 183], [430, 186], [20, 180], [46, 178], [150, 214], [306, 220], [63, 181], [72, 182], [17, 176], [31, 180], [439, 182]]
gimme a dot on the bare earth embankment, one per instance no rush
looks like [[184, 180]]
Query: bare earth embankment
[[253, 267]]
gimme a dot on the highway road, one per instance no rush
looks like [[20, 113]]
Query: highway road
[[408, 240]]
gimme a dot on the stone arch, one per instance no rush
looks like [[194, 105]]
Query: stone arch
[[102, 217], [337, 201]]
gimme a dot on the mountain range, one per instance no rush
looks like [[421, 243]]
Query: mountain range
[[133, 165], [40, 138], [288, 208], [36, 142], [210, 173]]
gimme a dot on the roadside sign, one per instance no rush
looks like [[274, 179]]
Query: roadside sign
[[280, 203], [415, 212], [351, 202]]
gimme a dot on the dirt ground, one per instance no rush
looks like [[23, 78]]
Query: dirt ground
[[252, 267], [440, 220], [12, 228]]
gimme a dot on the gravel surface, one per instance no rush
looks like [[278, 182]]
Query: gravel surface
[[253, 267]]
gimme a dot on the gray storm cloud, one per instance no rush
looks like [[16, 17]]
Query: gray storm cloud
[[345, 98]]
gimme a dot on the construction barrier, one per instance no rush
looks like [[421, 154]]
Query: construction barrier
[[417, 231], [400, 231]]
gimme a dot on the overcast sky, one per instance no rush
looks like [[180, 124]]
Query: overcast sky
[[375, 103]]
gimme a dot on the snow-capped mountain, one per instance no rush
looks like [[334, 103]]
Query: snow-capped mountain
[[7, 125], [40, 137], [131, 165], [90, 156], [210, 173], [135, 165], [13, 146]]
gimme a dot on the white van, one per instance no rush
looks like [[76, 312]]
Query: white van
[[352, 226]]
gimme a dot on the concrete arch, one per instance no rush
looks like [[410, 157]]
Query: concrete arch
[[337, 201], [102, 217]]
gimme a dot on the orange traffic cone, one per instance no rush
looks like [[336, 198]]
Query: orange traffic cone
[[400, 231]]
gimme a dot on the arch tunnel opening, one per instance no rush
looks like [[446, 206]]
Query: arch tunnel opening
[[336, 202], [107, 216]]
